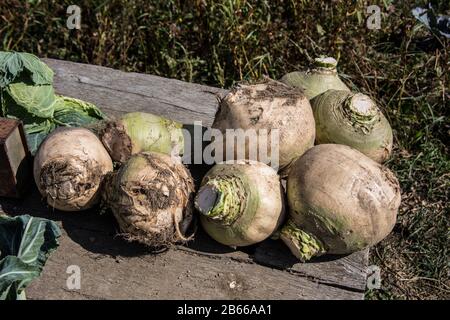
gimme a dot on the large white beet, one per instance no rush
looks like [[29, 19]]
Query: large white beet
[[355, 120], [321, 77], [141, 132], [340, 201], [151, 198], [241, 203], [69, 168], [265, 107]]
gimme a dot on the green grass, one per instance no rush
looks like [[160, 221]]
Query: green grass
[[402, 66]]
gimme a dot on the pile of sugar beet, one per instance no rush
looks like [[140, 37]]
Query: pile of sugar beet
[[338, 197]]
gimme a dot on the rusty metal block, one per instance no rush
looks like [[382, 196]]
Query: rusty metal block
[[15, 159]]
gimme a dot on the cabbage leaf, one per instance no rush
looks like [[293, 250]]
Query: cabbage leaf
[[27, 94], [26, 65], [38, 100], [25, 245], [74, 112], [36, 132]]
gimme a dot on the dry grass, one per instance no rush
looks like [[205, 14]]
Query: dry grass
[[402, 65]]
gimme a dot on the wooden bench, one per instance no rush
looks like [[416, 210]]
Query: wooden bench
[[114, 269]]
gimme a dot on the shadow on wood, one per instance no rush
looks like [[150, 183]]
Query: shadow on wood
[[95, 232]]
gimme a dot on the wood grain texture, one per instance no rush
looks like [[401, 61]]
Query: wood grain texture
[[116, 92], [114, 269], [111, 268]]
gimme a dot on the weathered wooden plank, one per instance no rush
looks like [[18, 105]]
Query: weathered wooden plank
[[346, 271], [113, 268], [115, 92], [170, 275]]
